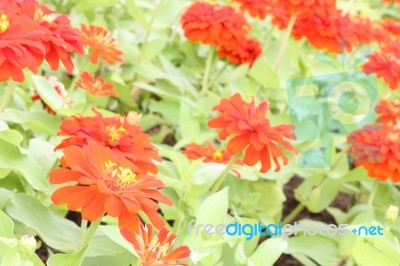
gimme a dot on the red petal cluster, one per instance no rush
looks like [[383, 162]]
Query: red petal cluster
[[95, 86], [377, 149], [101, 43], [256, 8], [114, 132], [389, 112], [155, 249], [222, 27], [31, 32], [248, 130]]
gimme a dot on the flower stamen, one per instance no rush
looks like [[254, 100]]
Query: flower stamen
[[4, 23], [118, 176]]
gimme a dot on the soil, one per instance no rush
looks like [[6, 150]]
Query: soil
[[342, 201]]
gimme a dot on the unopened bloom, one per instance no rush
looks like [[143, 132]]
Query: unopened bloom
[[105, 181], [101, 44], [156, 249], [27, 246], [116, 133], [95, 86], [377, 149], [248, 130]]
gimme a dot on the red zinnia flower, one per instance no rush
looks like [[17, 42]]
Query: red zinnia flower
[[107, 182], [208, 152], [154, 249], [214, 24], [101, 43], [114, 132], [377, 149], [60, 89], [95, 87], [60, 38], [386, 66], [389, 112], [250, 131], [20, 43], [306, 6], [256, 8], [246, 51]]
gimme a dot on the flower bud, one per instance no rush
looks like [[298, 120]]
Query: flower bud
[[27, 246], [134, 118], [391, 215]]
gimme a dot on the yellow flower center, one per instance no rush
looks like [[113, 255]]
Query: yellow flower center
[[115, 133], [118, 176], [217, 155], [4, 23]]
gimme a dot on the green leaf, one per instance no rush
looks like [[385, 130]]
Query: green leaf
[[12, 158], [67, 259], [113, 233], [274, 247], [56, 232], [38, 121], [137, 13], [84, 5], [47, 92], [189, 125], [264, 75], [214, 209], [153, 48], [322, 250], [6, 226]]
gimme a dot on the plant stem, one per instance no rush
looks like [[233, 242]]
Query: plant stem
[[7, 95], [373, 193], [81, 68], [219, 74], [284, 46], [156, 10], [83, 229], [89, 235], [293, 214], [207, 71], [221, 178]]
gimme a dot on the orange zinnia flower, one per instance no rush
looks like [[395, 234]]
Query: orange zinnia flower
[[95, 87], [60, 38], [101, 43], [116, 133], [250, 131], [214, 24], [60, 89], [107, 182], [389, 112], [256, 8], [154, 249], [246, 51], [208, 152], [20, 43], [377, 149]]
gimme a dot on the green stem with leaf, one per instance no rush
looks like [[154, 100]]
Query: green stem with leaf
[[207, 71], [7, 95], [293, 214], [221, 178], [285, 44]]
